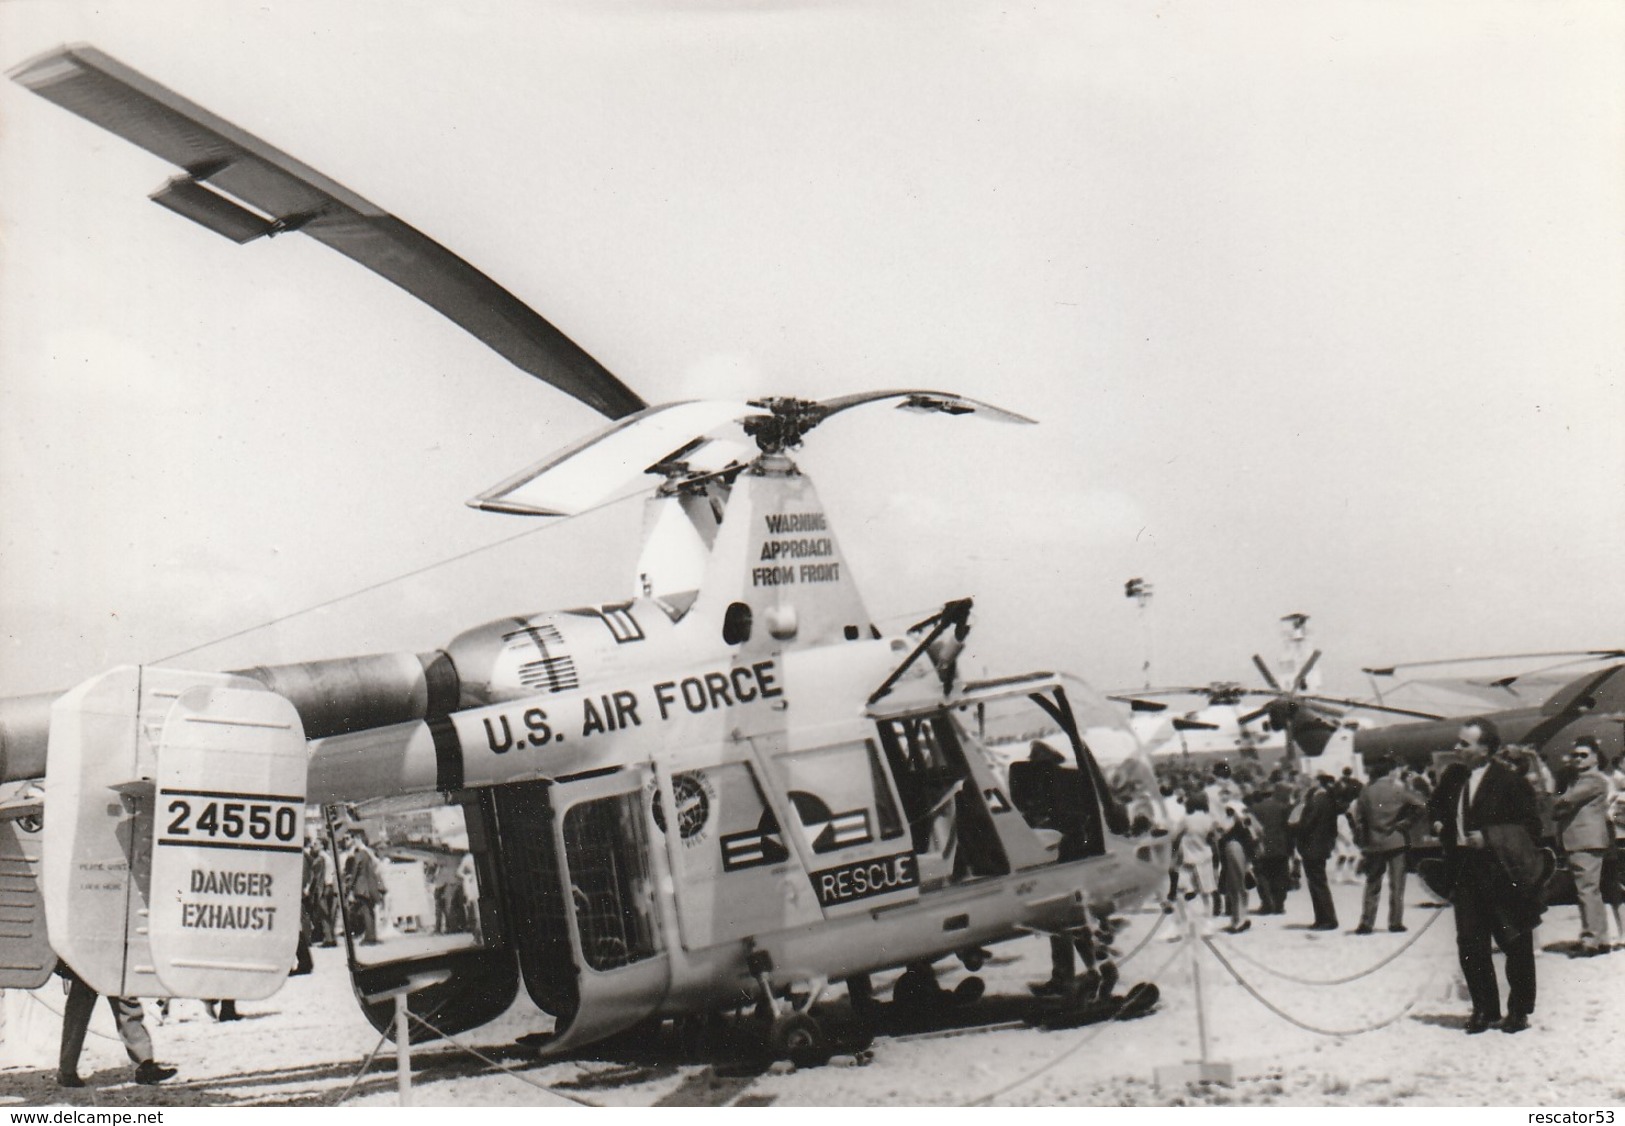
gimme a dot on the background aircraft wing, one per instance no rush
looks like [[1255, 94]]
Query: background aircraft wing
[[227, 168]]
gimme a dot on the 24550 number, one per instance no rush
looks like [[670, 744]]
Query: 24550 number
[[217, 818]]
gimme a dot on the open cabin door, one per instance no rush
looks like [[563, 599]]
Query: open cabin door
[[417, 896], [580, 878], [1069, 773]]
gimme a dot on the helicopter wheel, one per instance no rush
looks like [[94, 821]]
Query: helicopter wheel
[[800, 1039]]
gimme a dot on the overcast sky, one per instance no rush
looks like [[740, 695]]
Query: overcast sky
[[1321, 308]]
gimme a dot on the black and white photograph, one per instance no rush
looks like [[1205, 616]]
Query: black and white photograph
[[711, 553]]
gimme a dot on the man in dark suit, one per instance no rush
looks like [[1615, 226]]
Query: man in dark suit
[[1485, 815], [1317, 836], [364, 888], [1273, 860]]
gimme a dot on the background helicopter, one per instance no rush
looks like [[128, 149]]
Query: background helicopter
[[1546, 707], [744, 688]]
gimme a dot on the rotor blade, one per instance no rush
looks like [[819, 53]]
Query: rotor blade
[[1585, 654], [1138, 705], [1362, 705], [1303, 674], [1269, 677], [223, 161], [1508, 681], [1142, 693], [603, 463], [943, 402], [1244, 720], [1183, 724]]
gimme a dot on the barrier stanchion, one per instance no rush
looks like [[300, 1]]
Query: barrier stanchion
[[403, 1027], [1203, 1070], [403, 1052]]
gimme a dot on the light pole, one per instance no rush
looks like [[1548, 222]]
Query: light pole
[[1140, 590]]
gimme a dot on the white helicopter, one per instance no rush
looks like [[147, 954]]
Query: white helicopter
[[727, 790]]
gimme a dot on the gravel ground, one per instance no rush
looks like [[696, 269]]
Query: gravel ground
[[305, 1045]]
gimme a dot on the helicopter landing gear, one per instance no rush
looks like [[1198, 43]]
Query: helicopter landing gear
[[793, 1033], [799, 1038]]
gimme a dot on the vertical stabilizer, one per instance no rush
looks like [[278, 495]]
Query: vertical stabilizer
[[776, 575]]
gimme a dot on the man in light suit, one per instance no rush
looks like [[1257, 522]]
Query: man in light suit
[[1382, 816], [1485, 815], [1581, 812]]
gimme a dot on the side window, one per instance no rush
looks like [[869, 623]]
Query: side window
[[606, 854], [841, 797], [400, 879]]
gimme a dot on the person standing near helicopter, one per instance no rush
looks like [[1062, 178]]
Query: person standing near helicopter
[[1581, 813], [363, 889], [1485, 815]]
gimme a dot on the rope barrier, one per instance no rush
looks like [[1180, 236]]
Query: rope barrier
[[1292, 1020], [1141, 945], [1368, 971], [372, 1055], [1083, 1041], [519, 1075]]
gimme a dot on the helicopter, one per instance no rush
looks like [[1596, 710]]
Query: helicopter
[[728, 790], [1545, 716]]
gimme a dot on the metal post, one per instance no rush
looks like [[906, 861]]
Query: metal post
[[1203, 1070], [403, 1051], [1140, 590], [1192, 938], [403, 1024]]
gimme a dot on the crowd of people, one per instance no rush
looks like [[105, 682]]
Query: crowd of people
[[1497, 822], [1275, 830]]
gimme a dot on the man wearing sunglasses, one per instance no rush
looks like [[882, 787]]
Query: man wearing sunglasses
[[1485, 815], [1582, 822]]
